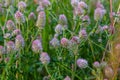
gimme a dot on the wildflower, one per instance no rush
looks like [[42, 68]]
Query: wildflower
[[55, 42], [62, 19], [45, 3], [44, 58], [105, 27], [83, 33], [108, 72], [37, 46], [67, 78], [79, 11], [96, 64], [86, 19], [16, 32], [58, 29], [74, 3], [82, 63], [10, 25], [82, 5], [2, 50], [41, 20], [99, 5], [75, 40], [10, 46], [21, 6], [19, 17], [32, 16], [64, 42], [19, 42], [99, 13]]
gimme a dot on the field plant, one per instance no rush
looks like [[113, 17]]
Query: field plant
[[59, 40]]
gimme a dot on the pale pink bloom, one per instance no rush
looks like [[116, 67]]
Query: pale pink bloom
[[22, 6], [37, 46], [67, 78], [10, 25], [82, 63], [44, 58]]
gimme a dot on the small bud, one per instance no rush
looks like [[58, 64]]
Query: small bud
[[32, 16], [16, 32], [55, 42], [41, 20], [58, 29], [19, 42], [83, 33], [96, 64], [62, 19], [44, 58], [67, 78], [19, 17], [10, 25], [75, 40], [21, 6], [10, 46], [86, 19], [37, 46], [82, 63], [64, 42], [2, 50], [105, 27]]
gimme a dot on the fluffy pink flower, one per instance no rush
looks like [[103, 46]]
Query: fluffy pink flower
[[10, 46], [19, 17], [19, 42], [67, 78], [21, 6], [37, 46], [44, 58], [82, 63], [64, 42], [10, 25], [62, 19], [99, 13]]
